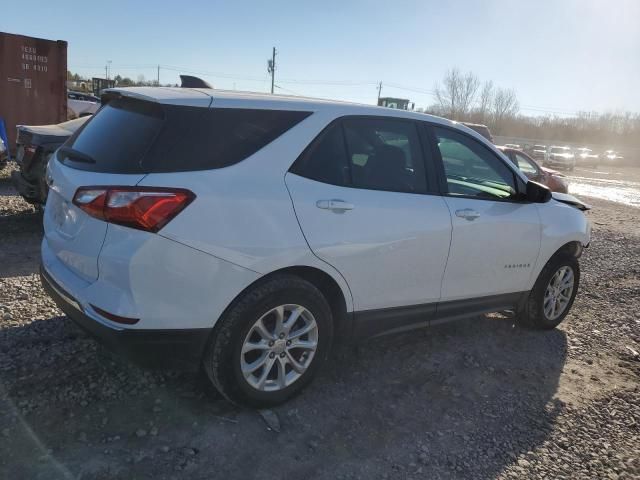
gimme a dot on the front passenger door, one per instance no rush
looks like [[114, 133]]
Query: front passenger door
[[496, 237]]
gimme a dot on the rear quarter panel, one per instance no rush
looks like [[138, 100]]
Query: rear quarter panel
[[243, 214]]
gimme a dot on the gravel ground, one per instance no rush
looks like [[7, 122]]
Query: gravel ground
[[480, 398]]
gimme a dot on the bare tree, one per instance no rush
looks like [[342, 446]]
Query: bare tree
[[505, 105], [484, 102], [457, 93]]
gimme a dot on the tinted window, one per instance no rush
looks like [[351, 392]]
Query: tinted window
[[130, 136], [326, 159], [525, 165], [471, 169], [385, 154]]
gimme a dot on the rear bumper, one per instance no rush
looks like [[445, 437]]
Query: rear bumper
[[180, 348]]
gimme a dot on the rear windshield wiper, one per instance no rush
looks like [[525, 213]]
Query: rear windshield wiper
[[76, 155]]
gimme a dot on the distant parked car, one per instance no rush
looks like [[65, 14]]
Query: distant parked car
[[527, 165], [81, 104], [586, 156], [538, 152], [513, 145], [561, 157], [611, 156], [35, 146], [481, 129]]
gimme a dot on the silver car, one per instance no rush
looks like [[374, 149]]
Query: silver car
[[560, 157]]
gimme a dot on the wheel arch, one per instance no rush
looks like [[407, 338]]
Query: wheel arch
[[338, 299], [573, 247]]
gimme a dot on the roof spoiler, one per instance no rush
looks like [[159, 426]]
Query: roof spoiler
[[189, 81]]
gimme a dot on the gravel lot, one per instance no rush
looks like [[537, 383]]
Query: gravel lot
[[480, 398]]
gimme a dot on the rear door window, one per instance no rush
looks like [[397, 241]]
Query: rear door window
[[369, 153], [132, 136], [385, 154]]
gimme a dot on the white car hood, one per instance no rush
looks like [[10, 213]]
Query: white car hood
[[570, 200]]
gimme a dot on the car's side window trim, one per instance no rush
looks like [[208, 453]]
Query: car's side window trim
[[430, 163], [438, 166], [427, 163], [442, 177]]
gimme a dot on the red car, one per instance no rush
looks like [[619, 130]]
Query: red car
[[527, 165]]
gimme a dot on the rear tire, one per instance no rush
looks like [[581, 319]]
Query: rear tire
[[549, 303], [248, 334]]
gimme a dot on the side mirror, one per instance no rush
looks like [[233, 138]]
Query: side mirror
[[537, 192]]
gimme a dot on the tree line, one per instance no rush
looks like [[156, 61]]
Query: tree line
[[121, 81], [463, 97]]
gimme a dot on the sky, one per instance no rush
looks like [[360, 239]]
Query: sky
[[560, 56]]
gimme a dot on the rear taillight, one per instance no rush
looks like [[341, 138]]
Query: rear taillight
[[144, 208]]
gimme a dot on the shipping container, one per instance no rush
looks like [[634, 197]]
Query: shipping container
[[33, 76]]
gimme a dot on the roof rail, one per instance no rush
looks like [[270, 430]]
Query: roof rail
[[189, 81]]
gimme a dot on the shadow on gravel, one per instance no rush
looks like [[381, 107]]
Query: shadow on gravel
[[20, 238], [457, 401]]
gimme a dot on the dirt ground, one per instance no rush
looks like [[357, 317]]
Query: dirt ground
[[480, 398]]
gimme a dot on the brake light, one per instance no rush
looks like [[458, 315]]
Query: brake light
[[144, 208]]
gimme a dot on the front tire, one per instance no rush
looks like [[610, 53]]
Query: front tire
[[270, 343], [553, 294]]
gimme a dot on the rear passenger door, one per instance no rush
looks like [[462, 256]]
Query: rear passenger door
[[363, 196], [496, 235]]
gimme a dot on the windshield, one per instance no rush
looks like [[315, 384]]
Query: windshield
[[560, 150]]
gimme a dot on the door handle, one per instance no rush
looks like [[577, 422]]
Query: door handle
[[467, 214], [337, 206]]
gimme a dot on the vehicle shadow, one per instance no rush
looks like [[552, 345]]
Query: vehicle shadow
[[20, 238], [449, 402]]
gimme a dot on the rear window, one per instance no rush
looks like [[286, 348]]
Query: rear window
[[132, 136]]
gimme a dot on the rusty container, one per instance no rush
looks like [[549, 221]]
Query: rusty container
[[33, 82]]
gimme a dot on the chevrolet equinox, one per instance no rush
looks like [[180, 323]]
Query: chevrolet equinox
[[245, 233]]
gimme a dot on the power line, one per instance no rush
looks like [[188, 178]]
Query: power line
[[293, 81]]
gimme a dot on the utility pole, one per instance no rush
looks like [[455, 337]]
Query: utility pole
[[271, 67], [158, 75], [379, 91]]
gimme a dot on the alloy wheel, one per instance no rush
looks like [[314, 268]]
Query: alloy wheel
[[279, 347], [558, 293]]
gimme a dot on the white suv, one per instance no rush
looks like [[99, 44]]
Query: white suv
[[561, 157], [247, 232]]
